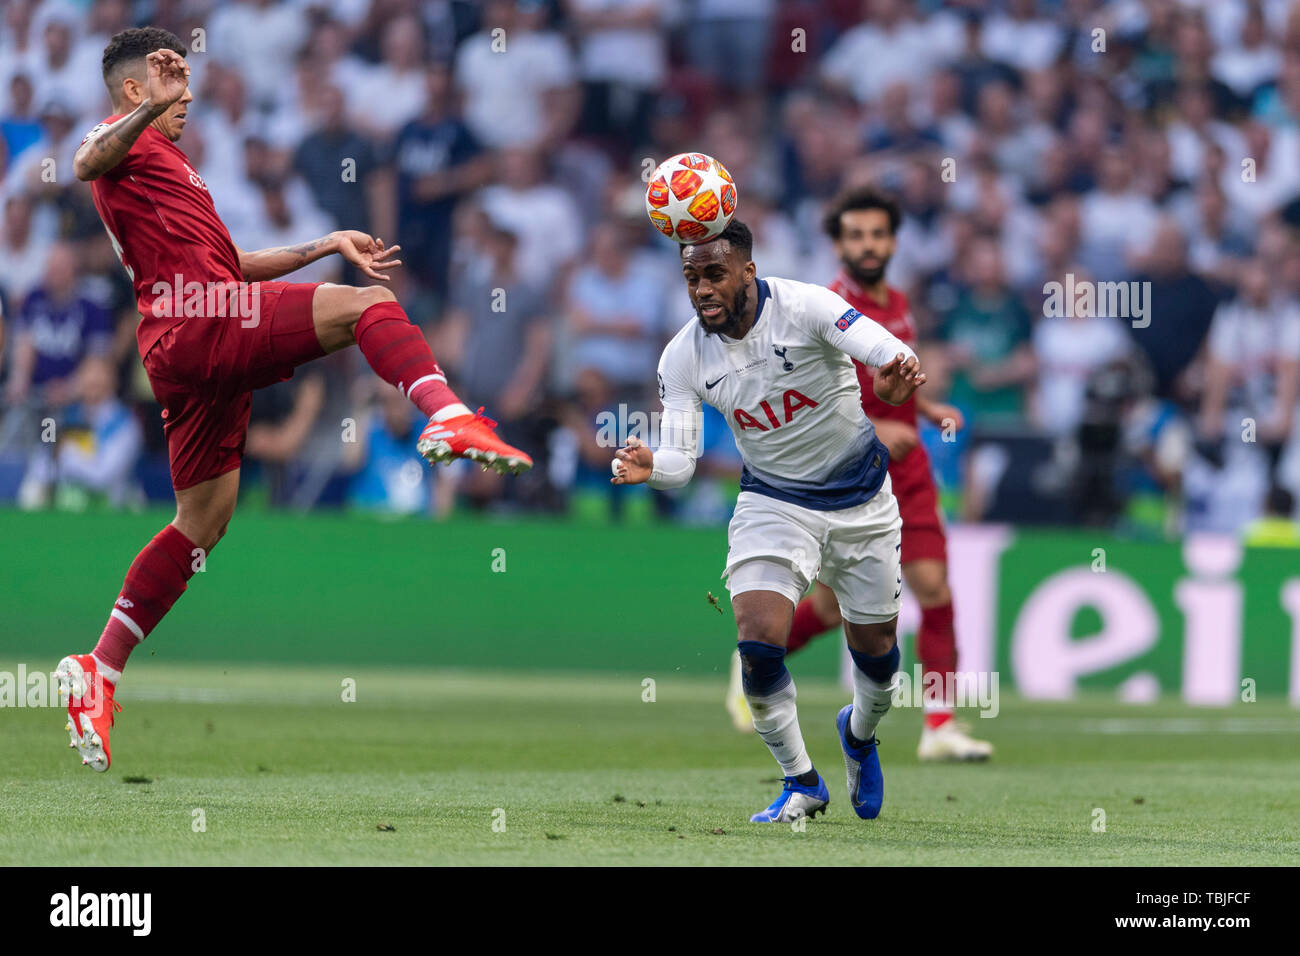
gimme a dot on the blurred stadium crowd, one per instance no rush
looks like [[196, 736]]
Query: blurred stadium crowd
[[1148, 141]]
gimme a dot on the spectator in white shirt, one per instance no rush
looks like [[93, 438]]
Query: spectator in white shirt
[[1254, 362], [390, 95], [58, 74], [518, 80], [103, 444], [1267, 174], [1068, 351], [544, 217], [26, 236], [1250, 63], [1194, 129], [1117, 220], [887, 47], [623, 58], [1019, 38], [259, 38]]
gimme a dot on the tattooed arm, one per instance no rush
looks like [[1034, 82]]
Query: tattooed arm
[[369, 255], [108, 143]]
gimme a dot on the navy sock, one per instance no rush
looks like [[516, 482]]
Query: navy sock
[[880, 669], [762, 667], [808, 779]]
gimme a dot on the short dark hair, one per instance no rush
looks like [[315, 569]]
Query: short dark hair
[[853, 200], [135, 44], [736, 234]]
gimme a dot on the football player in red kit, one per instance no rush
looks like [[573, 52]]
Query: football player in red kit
[[213, 328], [863, 225]]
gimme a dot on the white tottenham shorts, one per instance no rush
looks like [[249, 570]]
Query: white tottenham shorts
[[782, 547]]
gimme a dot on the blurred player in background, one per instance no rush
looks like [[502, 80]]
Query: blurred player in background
[[775, 357], [206, 357], [863, 225]]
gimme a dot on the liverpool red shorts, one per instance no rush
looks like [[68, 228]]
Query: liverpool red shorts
[[204, 370], [918, 503]]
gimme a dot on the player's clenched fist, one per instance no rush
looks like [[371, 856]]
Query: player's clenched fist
[[169, 76], [632, 463]]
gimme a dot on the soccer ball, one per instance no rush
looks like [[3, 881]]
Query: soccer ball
[[691, 197]]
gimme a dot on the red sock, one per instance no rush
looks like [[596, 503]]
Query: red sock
[[400, 355], [936, 649], [806, 626], [154, 581]]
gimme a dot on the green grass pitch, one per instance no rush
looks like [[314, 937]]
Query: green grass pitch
[[581, 770]]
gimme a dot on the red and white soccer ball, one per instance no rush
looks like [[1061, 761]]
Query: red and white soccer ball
[[691, 197]]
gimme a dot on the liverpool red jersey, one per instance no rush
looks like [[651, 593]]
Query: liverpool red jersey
[[163, 225], [896, 316]]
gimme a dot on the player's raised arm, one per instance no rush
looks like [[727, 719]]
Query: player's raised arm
[[367, 253], [843, 327], [167, 78]]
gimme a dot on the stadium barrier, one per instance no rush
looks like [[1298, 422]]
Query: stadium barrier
[[1053, 612]]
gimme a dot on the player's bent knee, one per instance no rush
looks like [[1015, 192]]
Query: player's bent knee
[[366, 296], [874, 639], [934, 597], [373, 295], [761, 623], [204, 529]]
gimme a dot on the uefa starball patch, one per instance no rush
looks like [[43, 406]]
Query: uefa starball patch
[[847, 319]]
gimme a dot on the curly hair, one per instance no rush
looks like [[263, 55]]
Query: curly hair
[[861, 198]]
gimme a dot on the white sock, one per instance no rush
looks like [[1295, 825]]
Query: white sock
[[871, 701], [777, 721], [109, 674], [450, 411]]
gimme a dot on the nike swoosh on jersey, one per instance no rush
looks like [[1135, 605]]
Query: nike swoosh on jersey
[[715, 381]]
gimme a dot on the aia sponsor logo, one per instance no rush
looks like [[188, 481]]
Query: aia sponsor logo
[[791, 402]]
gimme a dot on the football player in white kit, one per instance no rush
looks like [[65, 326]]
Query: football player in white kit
[[773, 355]]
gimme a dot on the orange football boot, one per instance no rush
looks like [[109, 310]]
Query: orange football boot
[[91, 708], [473, 437]]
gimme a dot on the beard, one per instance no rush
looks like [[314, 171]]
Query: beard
[[731, 315], [865, 276]]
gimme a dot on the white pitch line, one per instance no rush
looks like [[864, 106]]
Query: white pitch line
[[1190, 725]]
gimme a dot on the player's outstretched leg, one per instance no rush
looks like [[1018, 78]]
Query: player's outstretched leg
[[156, 579], [87, 682], [88, 695], [873, 690], [399, 354], [770, 691]]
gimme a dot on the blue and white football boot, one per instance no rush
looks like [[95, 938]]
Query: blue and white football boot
[[795, 801], [866, 781]]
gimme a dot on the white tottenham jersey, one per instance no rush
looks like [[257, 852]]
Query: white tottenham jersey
[[790, 393]]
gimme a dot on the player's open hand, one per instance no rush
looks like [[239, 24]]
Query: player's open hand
[[368, 253], [632, 463], [168, 78], [897, 379], [945, 416]]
